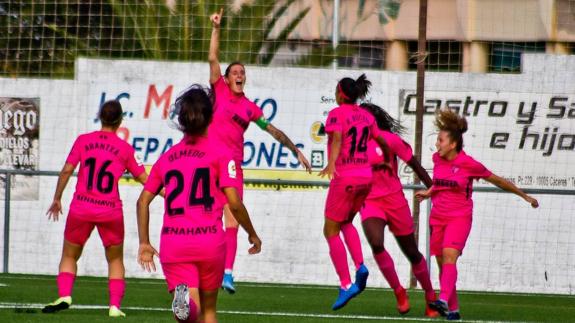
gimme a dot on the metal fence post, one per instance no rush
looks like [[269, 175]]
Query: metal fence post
[[7, 188]]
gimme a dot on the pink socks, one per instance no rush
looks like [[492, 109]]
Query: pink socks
[[385, 264], [116, 288], [231, 247], [65, 283], [353, 243], [447, 281], [339, 260]]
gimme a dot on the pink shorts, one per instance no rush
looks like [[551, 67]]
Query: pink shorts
[[392, 208], [204, 274], [345, 197], [448, 233], [110, 227]]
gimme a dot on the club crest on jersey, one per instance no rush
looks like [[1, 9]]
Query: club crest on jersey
[[232, 169], [454, 169]]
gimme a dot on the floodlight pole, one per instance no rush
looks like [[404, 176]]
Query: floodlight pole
[[421, 58]]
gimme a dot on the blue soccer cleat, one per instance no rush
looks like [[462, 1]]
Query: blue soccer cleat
[[440, 306], [453, 316], [345, 296], [361, 277], [228, 283]]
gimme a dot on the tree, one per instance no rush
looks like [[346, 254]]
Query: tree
[[45, 37]]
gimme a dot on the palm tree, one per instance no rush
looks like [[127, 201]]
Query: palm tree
[[45, 38]]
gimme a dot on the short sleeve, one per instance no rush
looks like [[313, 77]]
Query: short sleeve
[[256, 112], [154, 183], [334, 122], [74, 155], [228, 172], [399, 147], [477, 170], [134, 165]]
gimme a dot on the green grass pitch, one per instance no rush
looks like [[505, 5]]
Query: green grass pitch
[[146, 300]]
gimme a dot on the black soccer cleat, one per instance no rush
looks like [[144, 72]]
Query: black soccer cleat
[[62, 303]]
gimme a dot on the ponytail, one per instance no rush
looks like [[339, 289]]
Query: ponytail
[[352, 90]]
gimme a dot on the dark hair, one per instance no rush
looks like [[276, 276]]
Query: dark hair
[[383, 119], [455, 126], [111, 113], [353, 90], [232, 64], [194, 110]]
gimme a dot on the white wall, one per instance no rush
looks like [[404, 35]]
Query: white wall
[[511, 248]]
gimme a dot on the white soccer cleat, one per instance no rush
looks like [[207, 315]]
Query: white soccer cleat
[[115, 312], [181, 303]]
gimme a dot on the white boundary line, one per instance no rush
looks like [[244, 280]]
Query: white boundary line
[[9, 305], [154, 281]]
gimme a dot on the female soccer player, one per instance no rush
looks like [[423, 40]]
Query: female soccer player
[[198, 177], [452, 206], [103, 158], [232, 116], [349, 129], [386, 204]]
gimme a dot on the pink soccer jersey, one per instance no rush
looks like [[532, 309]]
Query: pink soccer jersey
[[231, 119], [357, 127], [103, 158], [193, 174], [384, 181], [453, 184]]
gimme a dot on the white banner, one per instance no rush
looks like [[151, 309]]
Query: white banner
[[20, 128], [520, 126]]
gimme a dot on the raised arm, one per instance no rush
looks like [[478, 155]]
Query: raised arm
[[420, 171], [215, 71], [56, 207], [283, 139], [506, 185]]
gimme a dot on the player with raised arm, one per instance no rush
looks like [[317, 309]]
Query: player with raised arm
[[232, 116], [386, 205], [103, 158], [199, 177], [452, 206], [349, 129]]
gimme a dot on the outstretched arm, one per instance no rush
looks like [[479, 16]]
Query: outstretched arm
[[420, 171], [283, 139], [215, 71], [56, 207], [506, 185]]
